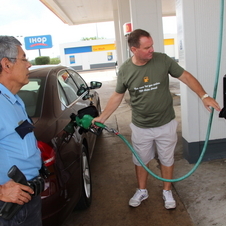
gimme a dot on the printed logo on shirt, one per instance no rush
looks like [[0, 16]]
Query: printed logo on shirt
[[147, 88], [146, 79]]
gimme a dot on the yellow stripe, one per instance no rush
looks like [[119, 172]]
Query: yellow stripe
[[169, 41], [103, 47]]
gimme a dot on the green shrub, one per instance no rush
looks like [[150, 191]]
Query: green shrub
[[55, 60], [32, 62], [42, 60]]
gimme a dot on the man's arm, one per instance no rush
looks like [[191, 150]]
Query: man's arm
[[195, 86], [15, 193], [112, 105]]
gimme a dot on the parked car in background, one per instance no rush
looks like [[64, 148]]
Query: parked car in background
[[51, 98]]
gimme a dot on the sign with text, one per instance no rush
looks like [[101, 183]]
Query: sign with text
[[38, 42], [103, 47]]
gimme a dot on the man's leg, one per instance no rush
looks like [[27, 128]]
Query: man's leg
[[144, 146], [166, 140], [167, 173], [142, 176], [141, 193]]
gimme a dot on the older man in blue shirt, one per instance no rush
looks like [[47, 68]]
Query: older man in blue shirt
[[16, 148]]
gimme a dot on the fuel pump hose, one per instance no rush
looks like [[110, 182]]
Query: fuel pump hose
[[86, 122], [141, 162]]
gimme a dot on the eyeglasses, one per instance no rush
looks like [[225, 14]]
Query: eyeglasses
[[23, 59]]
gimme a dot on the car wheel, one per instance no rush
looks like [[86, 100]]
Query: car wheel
[[86, 187]]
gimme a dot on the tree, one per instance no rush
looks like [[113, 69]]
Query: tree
[[91, 38]]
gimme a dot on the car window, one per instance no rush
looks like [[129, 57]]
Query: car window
[[68, 84], [69, 88], [31, 95], [62, 96], [78, 79]]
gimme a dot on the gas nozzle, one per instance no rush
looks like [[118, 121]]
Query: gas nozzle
[[69, 128], [86, 122], [99, 124]]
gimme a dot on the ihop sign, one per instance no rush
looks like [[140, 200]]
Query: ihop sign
[[38, 42]]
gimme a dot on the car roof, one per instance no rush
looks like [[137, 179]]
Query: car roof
[[43, 70], [44, 66]]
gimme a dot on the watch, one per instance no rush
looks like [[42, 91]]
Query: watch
[[204, 96]]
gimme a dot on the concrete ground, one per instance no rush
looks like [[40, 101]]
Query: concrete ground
[[201, 198]]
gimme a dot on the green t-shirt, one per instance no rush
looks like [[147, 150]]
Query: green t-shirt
[[148, 86]]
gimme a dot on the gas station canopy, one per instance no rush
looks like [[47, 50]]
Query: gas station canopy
[[74, 12]]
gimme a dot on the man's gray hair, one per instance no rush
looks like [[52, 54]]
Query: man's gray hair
[[8, 48]]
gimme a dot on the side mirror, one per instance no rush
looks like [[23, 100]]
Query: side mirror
[[95, 85], [82, 89]]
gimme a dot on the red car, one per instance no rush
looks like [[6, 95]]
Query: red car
[[53, 97]]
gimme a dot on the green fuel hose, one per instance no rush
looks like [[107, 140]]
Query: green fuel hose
[[87, 120]]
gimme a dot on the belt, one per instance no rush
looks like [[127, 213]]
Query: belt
[[37, 184]]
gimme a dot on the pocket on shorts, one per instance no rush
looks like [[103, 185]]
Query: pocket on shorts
[[174, 125], [136, 134], [21, 216]]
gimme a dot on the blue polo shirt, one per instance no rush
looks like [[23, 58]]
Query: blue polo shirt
[[14, 150]]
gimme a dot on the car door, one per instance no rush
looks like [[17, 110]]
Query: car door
[[87, 98]]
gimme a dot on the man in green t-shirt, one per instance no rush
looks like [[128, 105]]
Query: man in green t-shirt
[[146, 76]]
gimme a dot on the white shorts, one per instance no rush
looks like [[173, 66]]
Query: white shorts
[[146, 141]]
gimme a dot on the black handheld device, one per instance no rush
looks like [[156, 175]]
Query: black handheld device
[[9, 209], [222, 113]]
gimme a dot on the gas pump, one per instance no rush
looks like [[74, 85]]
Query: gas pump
[[222, 113]]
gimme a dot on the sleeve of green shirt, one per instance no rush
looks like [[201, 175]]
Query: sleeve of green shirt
[[175, 70], [120, 87]]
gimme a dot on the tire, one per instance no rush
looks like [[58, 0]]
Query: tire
[[86, 182]]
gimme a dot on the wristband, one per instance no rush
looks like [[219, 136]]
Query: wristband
[[204, 96]]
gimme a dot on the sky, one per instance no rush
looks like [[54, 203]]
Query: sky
[[25, 18]]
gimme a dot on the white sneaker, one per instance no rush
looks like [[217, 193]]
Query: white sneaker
[[138, 197], [170, 203]]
